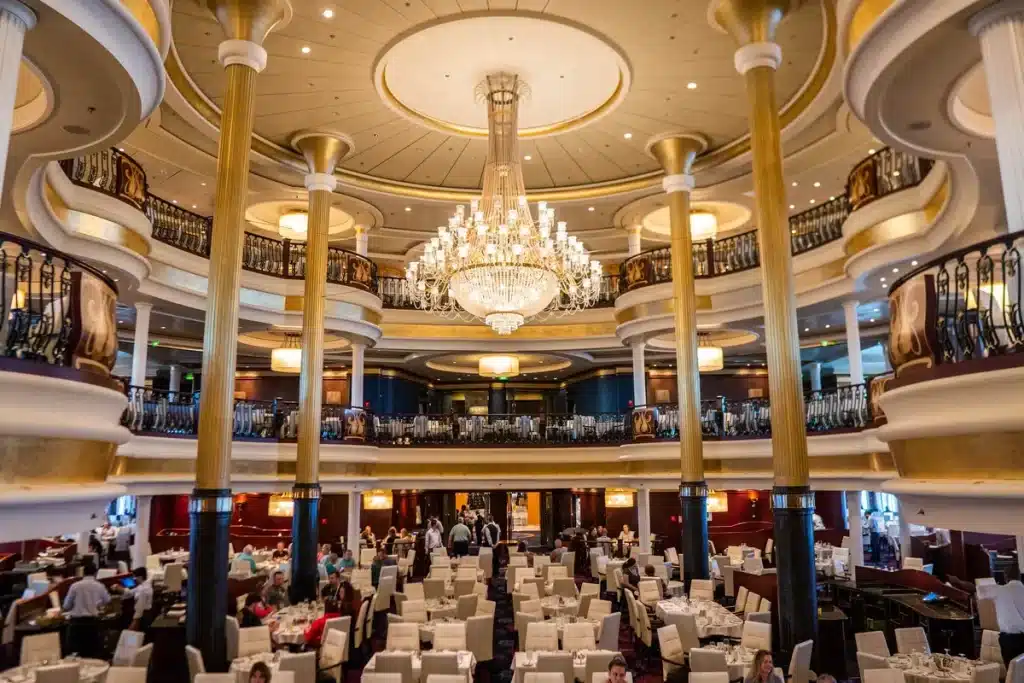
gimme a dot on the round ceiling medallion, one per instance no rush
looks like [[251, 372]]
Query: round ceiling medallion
[[431, 75], [729, 217]]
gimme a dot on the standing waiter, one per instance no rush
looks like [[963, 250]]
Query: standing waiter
[[459, 537], [491, 536], [83, 603]]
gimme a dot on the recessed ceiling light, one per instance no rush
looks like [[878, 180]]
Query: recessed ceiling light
[[871, 151], [163, 327], [193, 206], [817, 184], [527, 157], [792, 206], [831, 197], [120, 322], [174, 201], [203, 184], [408, 208], [328, 13], [827, 326], [691, 86], [882, 279], [895, 270], [795, 183], [813, 200], [104, 272], [896, 173], [885, 286], [913, 263], [872, 320], [305, 49], [120, 149], [590, 208], [807, 329], [628, 136]]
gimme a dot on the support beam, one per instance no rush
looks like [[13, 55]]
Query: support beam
[[140, 348], [853, 342]]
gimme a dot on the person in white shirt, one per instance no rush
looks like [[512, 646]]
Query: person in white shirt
[[434, 538], [492, 532], [459, 538], [82, 605], [1009, 602], [143, 595], [123, 545]]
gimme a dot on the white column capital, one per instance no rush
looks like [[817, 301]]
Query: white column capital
[[677, 182], [1001, 11], [850, 306], [143, 306], [25, 15], [245, 52], [320, 181], [753, 55]]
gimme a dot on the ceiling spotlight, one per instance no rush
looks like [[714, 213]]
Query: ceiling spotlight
[[913, 263], [305, 49], [795, 183], [120, 322], [895, 270], [590, 208], [408, 208], [885, 286], [527, 158], [174, 201], [328, 13], [203, 184], [807, 329], [813, 200], [882, 279], [831, 197], [193, 206], [827, 326], [792, 206], [628, 136], [871, 151], [872, 320], [817, 184], [895, 173]]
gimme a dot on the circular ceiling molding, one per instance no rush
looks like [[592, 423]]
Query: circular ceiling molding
[[264, 216], [274, 337], [731, 217], [468, 363], [721, 336], [33, 101], [431, 75], [969, 105]]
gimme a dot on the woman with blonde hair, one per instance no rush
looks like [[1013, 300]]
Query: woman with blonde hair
[[762, 669]]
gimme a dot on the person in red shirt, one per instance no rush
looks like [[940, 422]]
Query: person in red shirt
[[316, 630]]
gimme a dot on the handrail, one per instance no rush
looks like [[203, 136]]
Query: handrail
[[111, 172], [55, 309], [153, 411], [959, 307], [883, 173]]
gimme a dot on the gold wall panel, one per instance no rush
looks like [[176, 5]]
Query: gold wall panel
[[657, 308], [94, 226], [996, 455], [33, 460], [900, 226]]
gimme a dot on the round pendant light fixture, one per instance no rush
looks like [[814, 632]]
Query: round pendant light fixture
[[498, 366], [287, 358]]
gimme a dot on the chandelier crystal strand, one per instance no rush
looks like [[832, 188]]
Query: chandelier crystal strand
[[494, 262]]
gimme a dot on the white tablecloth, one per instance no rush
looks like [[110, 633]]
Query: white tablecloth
[[90, 670], [427, 628], [556, 604], [925, 668], [561, 621], [525, 662], [467, 664], [292, 622], [712, 619]]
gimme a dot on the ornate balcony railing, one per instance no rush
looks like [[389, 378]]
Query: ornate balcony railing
[[396, 292], [55, 309], [161, 412], [111, 172], [883, 173], [962, 307]]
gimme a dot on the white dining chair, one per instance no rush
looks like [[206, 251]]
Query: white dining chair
[[912, 639], [142, 656], [673, 657], [986, 673], [913, 563], [610, 631], [565, 587], [126, 674], [544, 677], [240, 569], [217, 678], [987, 614], [438, 664], [413, 591], [343, 625], [439, 678], [597, 609], [882, 676], [541, 636], [800, 663], [485, 608], [556, 662], [762, 617], [195, 662], [58, 673], [753, 602], [466, 606], [522, 623], [464, 587], [301, 664], [867, 661], [1015, 670], [991, 650], [434, 589], [174, 577], [404, 636], [254, 640], [375, 677], [649, 592], [709, 677], [705, 659], [450, 636], [43, 647], [366, 556], [334, 653], [394, 663], [702, 589], [686, 626], [531, 607], [872, 642], [741, 600], [579, 636], [756, 636], [480, 637], [231, 629], [414, 611], [127, 644]]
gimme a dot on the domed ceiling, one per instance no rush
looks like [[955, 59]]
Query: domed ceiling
[[399, 75]]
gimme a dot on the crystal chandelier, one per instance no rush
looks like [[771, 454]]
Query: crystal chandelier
[[495, 263]]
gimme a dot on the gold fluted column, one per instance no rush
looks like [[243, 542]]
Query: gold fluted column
[[676, 152], [752, 24], [246, 23], [322, 152]]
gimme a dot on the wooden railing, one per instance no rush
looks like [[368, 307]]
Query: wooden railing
[[883, 173]]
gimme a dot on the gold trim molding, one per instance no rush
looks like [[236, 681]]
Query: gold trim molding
[[33, 460], [898, 227], [808, 93], [998, 455], [477, 332], [654, 309], [88, 225]]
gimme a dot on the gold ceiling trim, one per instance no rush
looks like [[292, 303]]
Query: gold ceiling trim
[[524, 133], [37, 461], [476, 332], [653, 309], [899, 227], [992, 455], [144, 14], [293, 303], [812, 88], [864, 17]]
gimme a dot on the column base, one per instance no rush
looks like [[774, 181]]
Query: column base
[[793, 508], [207, 603], [305, 580], [693, 506]]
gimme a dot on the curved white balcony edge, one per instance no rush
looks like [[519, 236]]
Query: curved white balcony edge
[[986, 506], [34, 405], [53, 511], [964, 404]]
